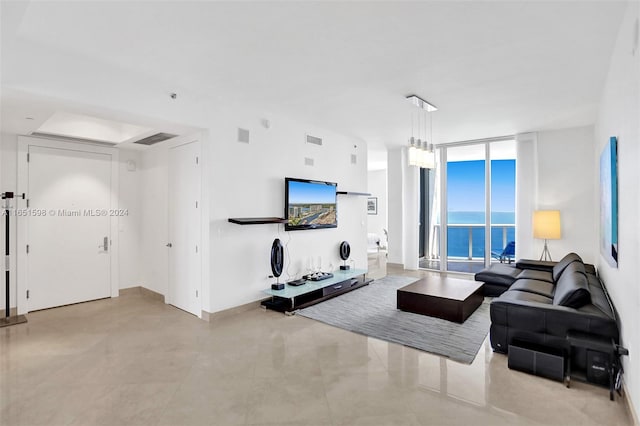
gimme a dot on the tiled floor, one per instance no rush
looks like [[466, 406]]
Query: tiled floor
[[133, 360]]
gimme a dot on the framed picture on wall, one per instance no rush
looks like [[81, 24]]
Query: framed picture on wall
[[609, 202], [372, 205]]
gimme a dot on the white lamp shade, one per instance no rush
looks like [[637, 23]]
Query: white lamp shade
[[413, 155], [430, 161], [546, 224]]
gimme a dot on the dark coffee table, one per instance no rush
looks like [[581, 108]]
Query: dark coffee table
[[451, 299]]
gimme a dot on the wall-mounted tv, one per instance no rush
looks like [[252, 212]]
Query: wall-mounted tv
[[309, 204]]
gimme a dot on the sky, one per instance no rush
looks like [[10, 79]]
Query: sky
[[311, 193], [465, 186]]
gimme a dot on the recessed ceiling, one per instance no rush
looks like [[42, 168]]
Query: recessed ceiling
[[78, 126], [492, 68]]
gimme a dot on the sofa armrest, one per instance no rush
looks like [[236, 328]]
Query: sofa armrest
[[534, 314], [538, 265]]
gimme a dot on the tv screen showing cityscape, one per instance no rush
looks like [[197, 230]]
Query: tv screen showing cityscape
[[310, 204]]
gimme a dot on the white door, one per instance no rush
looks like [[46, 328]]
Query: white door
[[185, 227], [68, 228]]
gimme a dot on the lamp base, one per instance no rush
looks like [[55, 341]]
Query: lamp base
[[546, 255]]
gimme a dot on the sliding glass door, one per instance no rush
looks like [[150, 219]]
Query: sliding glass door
[[503, 201], [466, 208], [456, 231]]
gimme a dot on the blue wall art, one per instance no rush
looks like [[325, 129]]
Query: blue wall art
[[609, 202]]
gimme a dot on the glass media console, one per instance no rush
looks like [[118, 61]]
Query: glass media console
[[296, 297]]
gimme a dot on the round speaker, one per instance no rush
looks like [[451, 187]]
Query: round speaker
[[277, 257], [345, 250]]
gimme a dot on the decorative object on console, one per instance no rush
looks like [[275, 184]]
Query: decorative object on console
[[345, 251], [318, 276], [546, 226], [277, 263], [609, 202]]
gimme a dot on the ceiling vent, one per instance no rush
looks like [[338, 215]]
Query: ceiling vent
[[243, 135], [314, 140], [154, 139]]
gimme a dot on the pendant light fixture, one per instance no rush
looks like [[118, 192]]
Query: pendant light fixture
[[421, 152]]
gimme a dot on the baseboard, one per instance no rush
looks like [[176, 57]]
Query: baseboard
[[142, 291], [632, 411], [12, 312], [395, 265], [216, 316]]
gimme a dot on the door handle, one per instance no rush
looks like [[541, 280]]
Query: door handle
[[105, 244], [169, 245]]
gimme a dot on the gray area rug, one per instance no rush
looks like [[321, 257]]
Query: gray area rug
[[372, 311]]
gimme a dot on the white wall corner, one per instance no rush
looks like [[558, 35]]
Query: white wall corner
[[395, 206], [411, 213], [526, 192]]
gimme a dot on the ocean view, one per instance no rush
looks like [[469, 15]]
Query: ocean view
[[458, 236]]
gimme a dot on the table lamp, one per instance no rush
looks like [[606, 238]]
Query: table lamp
[[546, 225]]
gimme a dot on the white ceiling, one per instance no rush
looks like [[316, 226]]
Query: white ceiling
[[492, 68], [82, 126]]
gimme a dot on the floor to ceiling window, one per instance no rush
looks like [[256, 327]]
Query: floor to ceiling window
[[503, 201], [469, 181]]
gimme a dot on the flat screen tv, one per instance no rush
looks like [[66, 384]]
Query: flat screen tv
[[309, 204]]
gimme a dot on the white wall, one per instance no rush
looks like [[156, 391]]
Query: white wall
[[8, 146], [619, 116], [565, 182], [403, 190], [526, 194], [395, 209], [377, 187], [247, 180], [154, 187], [129, 226]]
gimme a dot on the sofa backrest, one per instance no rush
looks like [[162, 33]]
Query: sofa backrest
[[559, 268], [572, 289]]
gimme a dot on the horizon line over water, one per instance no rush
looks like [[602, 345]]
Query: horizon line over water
[[478, 218], [458, 238]]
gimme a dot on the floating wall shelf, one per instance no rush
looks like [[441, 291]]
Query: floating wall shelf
[[365, 194], [256, 220]]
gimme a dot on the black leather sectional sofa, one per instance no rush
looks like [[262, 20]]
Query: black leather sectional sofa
[[541, 301]]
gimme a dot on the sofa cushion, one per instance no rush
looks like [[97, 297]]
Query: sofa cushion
[[562, 265], [572, 289], [498, 273], [543, 288], [531, 274], [522, 296]]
